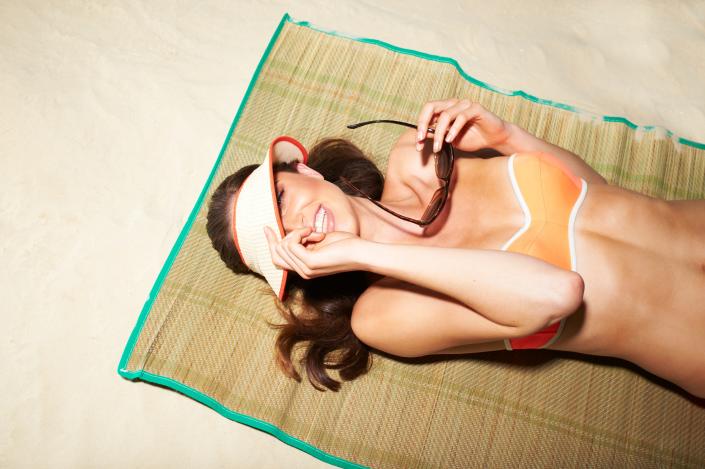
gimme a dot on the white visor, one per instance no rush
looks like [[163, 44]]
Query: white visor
[[255, 206]]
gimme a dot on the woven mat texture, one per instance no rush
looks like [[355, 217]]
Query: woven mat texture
[[206, 329]]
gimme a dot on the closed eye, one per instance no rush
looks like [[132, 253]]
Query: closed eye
[[278, 185], [279, 199]]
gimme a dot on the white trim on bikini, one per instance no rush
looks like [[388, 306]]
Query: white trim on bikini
[[522, 203], [573, 257], [527, 223], [571, 224], [556, 335]]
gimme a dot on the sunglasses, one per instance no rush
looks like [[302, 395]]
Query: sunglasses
[[444, 169]]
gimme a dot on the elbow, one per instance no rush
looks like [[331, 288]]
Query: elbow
[[567, 298]]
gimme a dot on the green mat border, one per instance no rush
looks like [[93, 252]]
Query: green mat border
[[212, 403]]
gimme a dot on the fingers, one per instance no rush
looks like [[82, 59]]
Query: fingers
[[446, 118], [314, 237], [273, 242], [284, 249], [427, 113], [457, 126], [446, 113], [299, 266], [289, 253]]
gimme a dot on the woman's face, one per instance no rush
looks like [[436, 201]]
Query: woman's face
[[306, 199]]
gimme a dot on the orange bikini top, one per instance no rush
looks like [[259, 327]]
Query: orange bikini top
[[550, 196]]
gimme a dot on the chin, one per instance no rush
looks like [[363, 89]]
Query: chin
[[354, 231]]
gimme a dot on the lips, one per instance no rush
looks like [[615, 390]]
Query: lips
[[331, 221], [323, 221]]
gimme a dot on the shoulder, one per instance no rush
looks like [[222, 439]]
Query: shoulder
[[400, 165], [384, 317], [378, 302]]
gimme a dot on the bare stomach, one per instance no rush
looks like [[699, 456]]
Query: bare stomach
[[643, 263]]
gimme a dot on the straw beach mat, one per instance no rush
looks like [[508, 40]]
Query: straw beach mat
[[203, 331]]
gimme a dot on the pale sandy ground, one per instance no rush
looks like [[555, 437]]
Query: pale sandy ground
[[111, 118]]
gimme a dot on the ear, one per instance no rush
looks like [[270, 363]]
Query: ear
[[306, 171]]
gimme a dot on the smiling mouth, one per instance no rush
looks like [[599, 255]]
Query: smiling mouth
[[320, 223]]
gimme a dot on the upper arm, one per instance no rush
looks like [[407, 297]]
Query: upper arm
[[522, 141], [407, 320], [578, 167]]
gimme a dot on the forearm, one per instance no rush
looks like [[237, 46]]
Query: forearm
[[507, 288], [519, 140]]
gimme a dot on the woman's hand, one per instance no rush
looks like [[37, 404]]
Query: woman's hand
[[466, 125], [311, 254]]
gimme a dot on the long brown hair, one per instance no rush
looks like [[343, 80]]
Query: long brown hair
[[324, 304]]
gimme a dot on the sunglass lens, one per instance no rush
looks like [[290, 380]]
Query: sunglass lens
[[443, 165], [435, 205]]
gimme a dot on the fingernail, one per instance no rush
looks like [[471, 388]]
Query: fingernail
[[436, 147], [419, 146], [419, 136], [449, 137]]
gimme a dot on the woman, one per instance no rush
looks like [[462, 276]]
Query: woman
[[470, 254]]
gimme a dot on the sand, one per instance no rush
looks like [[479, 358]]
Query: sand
[[112, 115]]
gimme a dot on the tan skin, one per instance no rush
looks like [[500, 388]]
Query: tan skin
[[642, 259]]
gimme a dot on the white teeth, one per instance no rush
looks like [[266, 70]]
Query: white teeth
[[320, 221]]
